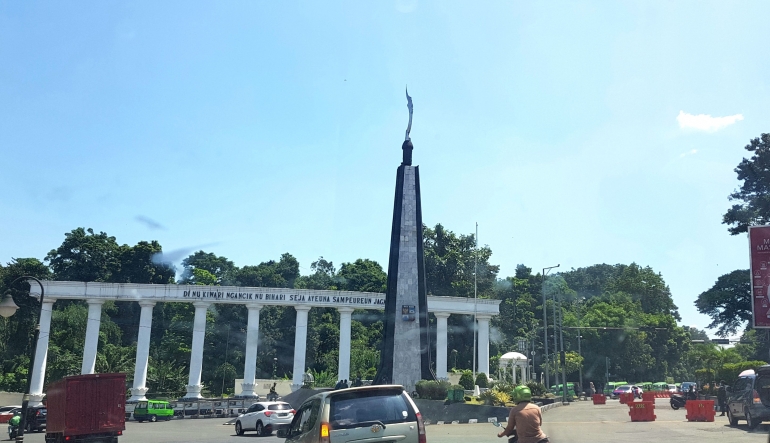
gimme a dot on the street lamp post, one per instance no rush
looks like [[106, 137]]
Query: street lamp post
[[275, 365], [545, 328], [7, 309], [563, 357], [580, 351]]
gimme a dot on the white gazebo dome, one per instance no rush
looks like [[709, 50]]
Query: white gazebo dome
[[514, 360], [512, 356]]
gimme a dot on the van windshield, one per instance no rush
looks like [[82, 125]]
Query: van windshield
[[362, 408]]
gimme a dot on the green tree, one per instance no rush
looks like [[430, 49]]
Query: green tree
[[138, 264], [728, 302], [363, 275], [450, 263], [754, 195], [220, 267], [85, 256]]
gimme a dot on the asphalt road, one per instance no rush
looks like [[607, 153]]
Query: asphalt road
[[577, 423]]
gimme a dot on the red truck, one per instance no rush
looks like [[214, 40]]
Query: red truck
[[86, 408]]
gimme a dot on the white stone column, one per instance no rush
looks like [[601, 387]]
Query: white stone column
[[524, 373], [343, 369], [300, 343], [483, 343], [441, 344], [142, 351], [196, 355], [92, 336], [41, 354], [252, 341]]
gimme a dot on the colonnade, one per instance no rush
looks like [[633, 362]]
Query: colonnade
[[194, 386]]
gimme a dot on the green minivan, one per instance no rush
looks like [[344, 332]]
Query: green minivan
[[153, 410]]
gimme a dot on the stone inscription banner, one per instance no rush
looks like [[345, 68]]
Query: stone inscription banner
[[283, 298]]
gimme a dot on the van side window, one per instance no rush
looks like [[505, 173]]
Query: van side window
[[298, 425], [315, 410]]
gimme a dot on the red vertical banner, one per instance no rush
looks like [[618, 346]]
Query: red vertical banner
[[759, 242]]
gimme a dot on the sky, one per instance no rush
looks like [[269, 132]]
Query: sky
[[573, 133]]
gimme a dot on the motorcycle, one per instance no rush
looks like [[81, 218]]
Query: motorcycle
[[12, 432], [679, 400]]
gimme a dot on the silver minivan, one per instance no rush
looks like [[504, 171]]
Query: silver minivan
[[383, 414]]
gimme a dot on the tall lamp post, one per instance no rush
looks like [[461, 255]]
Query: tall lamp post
[[580, 351], [7, 309], [545, 328]]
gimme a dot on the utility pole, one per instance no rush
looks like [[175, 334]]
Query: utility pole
[[475, 294], [545, 329], [563, 357]]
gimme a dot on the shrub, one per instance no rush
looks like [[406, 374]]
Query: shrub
[[494, 397], [729, 372], [466, 380], [537, 389], [432, 390], [481, 380], [504, 386]]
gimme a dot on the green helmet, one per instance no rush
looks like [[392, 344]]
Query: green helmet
[[521, 393]]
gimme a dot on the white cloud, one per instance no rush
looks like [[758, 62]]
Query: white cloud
[[705, 122], [684, 154]]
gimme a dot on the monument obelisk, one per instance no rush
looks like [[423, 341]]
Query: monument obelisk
[[405, 356]]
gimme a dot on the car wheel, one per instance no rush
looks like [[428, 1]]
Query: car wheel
[[238, 428], [140, 421], [260, 429], [732, 420], [153, 419], [750, 420]]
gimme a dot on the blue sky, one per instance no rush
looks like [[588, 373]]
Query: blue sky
[[256, 128]]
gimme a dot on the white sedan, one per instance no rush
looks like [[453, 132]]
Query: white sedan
[[265, 417]]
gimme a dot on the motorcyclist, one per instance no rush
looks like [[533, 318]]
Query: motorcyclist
[[691, 395], [13, 425], [272, 395], [525, 418]]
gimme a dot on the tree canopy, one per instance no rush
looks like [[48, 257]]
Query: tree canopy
[[753, 197], [728, 302]]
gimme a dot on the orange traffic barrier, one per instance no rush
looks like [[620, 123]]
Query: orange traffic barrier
[[642, 411], [600, 399], [700, 410], [626, 398], [648, 396]]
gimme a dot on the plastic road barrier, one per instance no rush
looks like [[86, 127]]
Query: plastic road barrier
[[600, 399], [648, 396], [642, 411], [626, 398], [700, 410]]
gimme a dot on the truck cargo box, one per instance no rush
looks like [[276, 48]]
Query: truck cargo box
[[87, 404]]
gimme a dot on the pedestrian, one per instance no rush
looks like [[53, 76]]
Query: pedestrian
[[525, 418], [722, 397], [591, 389]]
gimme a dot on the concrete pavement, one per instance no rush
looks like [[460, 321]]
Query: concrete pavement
[[577, 423]]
